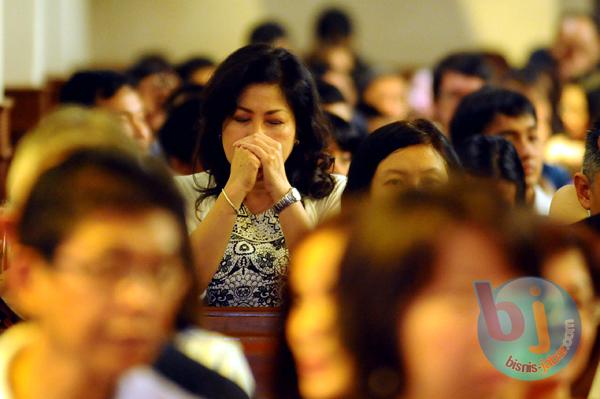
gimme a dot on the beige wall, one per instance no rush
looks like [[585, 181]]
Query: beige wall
[[124, 29], [67, 35], [390, 32], [24, 25], [1, 51]]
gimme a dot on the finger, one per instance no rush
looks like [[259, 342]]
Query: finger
[[257, 151], [267, 143]]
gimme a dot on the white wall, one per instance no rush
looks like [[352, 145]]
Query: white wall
[[68, 41], [1, 50], [24, 25], [122, 30], [390, 32]]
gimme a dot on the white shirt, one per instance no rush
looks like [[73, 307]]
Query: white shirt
[[542, 200]]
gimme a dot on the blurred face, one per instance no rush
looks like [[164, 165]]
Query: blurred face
[[154, 90], [324, 367], [568, 270], [416, 166], [201, 76], [261, 109], [438, 335], [389, 95], [129, 107], [343, 158], [576, 47], [521, 131], [110, 296], [574, 111], [453, 87]]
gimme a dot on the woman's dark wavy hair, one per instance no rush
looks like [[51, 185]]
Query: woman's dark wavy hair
[[307, 166], [389, 138]]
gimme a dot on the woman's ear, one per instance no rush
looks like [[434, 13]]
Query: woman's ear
[[583, 189]]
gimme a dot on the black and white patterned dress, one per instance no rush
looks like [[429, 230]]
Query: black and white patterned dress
[[253, 269]]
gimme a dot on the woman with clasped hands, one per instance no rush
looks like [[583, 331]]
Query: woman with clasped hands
[[267, 181]]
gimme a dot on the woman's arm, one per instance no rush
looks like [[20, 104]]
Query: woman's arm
[[294, 220]]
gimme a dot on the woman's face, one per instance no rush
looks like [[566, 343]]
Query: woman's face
[[324, 367], [261, 109], [111, 293], [417, 166], [438, 331]]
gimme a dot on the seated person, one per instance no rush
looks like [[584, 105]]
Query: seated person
[[399, 156], [455, 76], [495, 159], [341, 143], [271, 33], [178, 136], [196, 70], [267, 180], [582, 199], [388, 94], [112, 91], [72, 129], [154, 79], [587, 182], [105, 269], [506, 113]]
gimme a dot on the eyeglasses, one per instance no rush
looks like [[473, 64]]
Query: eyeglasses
[[165, 273]]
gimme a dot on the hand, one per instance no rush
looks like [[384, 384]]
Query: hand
[[243, 173], [269, 152]]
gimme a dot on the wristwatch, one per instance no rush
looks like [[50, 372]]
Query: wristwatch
[[292, 196]]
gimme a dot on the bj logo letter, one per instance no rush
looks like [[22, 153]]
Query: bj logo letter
[[490, 312]]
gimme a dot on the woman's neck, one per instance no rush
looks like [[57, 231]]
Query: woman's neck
[[56, 376]]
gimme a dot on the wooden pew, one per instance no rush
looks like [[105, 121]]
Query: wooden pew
[[257, 329]]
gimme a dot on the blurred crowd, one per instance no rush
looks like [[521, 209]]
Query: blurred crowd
[[362, 203]]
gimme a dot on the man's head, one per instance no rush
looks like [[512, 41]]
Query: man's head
[[577, 46], [506, 113], [112, 91], [111, 254], [587, 182], [454, 77], [271, 33]]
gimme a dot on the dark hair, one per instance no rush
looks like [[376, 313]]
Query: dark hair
[[392, 269], [493, 157], [545, 81], [328, 93], [591, 156], [94, 180], [333, 25], [186, 69], [179, 133], [149, 65], [343, 133], [307, 166], [477, 110], [87, 87], [267, 33], [389, 138], [465, 63]]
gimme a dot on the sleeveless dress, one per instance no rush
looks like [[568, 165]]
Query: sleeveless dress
[[253, 269]]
